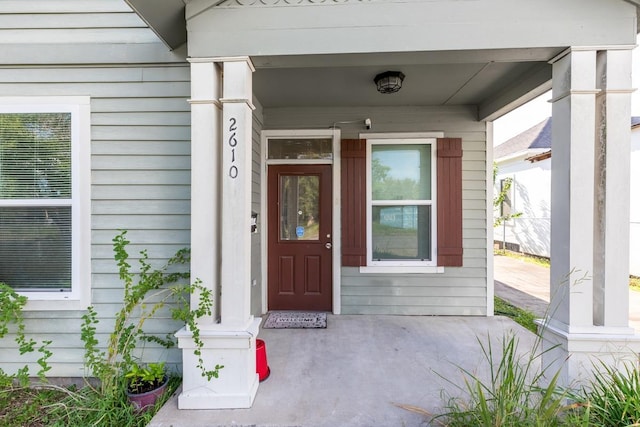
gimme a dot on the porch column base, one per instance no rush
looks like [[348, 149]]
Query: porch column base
[[237, 384], [577, 354]]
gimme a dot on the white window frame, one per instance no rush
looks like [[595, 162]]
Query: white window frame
[[403, 266], [79, 106]]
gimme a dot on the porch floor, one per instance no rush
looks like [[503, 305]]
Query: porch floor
[[353, 372]]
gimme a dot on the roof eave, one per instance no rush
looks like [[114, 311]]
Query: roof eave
[[165, 18]]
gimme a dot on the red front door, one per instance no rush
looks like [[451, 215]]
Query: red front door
[[299, 247]]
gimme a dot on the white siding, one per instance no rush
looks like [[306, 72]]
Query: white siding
[[530, 196], [634, 254], [457, 291], [140, 133]]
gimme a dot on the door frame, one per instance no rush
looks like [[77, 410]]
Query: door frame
[[265, 135]]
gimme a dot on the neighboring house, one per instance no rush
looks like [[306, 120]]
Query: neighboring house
[[634, 230], [526, 159], [184, 120]]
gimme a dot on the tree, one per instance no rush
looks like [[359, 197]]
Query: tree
[[501, 198]]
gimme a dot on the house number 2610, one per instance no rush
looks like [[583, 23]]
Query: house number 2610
[[233, 142]]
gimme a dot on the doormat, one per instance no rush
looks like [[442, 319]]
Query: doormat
[[296, 320]]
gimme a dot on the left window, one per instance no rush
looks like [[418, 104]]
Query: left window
[[45, 200]]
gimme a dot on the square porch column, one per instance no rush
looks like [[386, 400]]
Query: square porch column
[[589, 308], [220, 234]]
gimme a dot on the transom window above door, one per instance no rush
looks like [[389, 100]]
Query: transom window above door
[[300, 149]]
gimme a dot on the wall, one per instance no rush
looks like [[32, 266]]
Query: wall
[[256, 249], [530, 196], [634, 232], [140, 133], [457, 291]]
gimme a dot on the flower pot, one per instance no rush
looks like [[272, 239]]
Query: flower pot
[[143, 401]]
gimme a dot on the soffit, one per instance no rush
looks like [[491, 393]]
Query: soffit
[[165, 18], [432, 79]]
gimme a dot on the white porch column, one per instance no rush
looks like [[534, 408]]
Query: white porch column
[[589, 310], [220, 230]]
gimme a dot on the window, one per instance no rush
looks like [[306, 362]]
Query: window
[[44, 199], [401, 185]]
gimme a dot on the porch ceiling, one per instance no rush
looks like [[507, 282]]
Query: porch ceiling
[[491, 80]]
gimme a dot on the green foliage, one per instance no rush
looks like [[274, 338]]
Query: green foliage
[[140, 377], [512, 395], [145, 294], [500, 198], [11, 317], [612, 397], [522, 317]]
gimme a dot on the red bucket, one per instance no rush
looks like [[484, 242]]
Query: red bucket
[[262, 368]]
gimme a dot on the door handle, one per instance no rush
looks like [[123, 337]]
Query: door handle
[[328, 245]]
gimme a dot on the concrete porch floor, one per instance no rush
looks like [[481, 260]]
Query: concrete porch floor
[[353, 372]]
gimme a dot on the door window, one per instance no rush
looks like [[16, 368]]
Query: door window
[[299, 207]]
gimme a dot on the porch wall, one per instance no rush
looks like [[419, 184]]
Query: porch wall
[[256, 251], [457, 291], [140, 148]]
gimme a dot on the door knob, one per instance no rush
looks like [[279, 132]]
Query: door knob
[[328, 245]]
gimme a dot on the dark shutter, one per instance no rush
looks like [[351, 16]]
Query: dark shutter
[[449, 202], [354, 202]]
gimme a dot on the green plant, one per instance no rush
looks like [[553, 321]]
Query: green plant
[[145, 294], [11, 313], [144, 378], [512, 395], [501, 197], [611, 398], [522, 317]]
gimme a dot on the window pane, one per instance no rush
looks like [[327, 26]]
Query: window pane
[[35, 155], [401, 172], [401, 233], [299, 207], [35, 248], [300, 149]]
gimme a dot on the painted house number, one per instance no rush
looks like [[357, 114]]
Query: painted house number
[[233, 142]]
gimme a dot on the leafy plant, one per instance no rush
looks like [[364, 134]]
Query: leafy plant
[[145, 294], [501, 197], [11, 313], [144, 378]]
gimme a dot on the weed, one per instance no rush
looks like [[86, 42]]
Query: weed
[[512, 395]]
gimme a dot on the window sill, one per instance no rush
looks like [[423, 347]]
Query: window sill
[[397, 269], [49, 302]]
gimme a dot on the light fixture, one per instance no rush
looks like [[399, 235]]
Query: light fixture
[[389, 81]]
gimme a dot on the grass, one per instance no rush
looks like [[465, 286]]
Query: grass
[[520, 316], [57, 406], [545, 262]]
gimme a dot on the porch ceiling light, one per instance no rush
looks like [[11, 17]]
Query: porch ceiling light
[[389, 81]]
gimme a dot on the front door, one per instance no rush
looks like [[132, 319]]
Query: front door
[[299, 247]]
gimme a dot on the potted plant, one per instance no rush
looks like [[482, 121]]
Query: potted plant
[[145, 384]]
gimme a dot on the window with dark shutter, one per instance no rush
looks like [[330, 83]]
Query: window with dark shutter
[[448, 204]]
